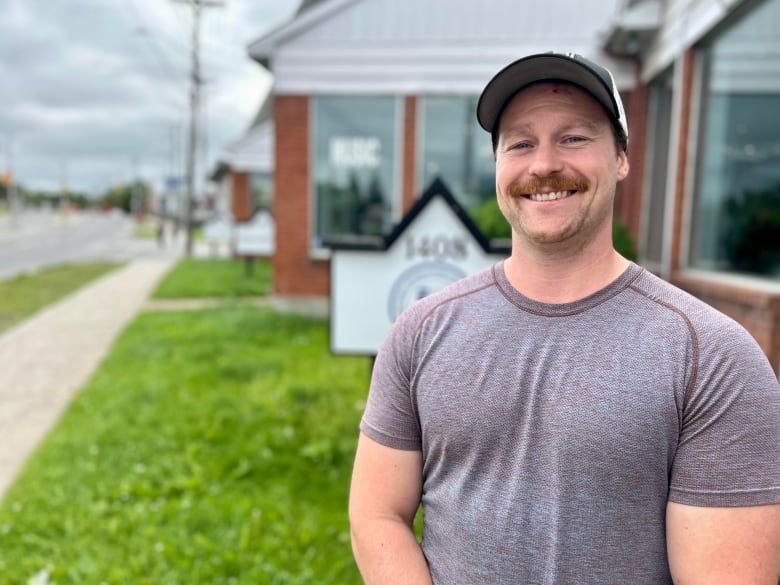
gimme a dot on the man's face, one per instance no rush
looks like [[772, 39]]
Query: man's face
[[557, 167]]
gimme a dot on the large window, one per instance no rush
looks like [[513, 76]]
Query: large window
[[736, 220], [659, 115], [455, 148], [355, 165]]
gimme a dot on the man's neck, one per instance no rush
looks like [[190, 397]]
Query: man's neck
[[562, 278]]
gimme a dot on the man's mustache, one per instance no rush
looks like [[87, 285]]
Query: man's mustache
[[550, 184]]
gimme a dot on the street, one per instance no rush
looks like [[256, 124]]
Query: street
[[34, 239]]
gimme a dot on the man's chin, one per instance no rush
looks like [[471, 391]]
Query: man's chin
[[551, 238]]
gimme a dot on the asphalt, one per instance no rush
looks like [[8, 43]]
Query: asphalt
[[45, 360]]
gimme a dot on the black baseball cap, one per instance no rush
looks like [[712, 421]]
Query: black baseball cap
[[571, 67]]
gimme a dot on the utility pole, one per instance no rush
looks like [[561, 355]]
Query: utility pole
[[135, 192], [8, 181], [196, 82], [63, 185]]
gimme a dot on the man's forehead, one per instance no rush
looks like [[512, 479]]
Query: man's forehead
[[575, 102], [531, 123]]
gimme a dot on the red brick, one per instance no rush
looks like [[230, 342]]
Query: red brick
[[295, 273]]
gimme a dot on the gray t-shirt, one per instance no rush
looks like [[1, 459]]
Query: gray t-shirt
[[553, 435]]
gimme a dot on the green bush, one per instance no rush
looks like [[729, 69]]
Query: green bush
[[490, 220], [622, 240], [752, 238]]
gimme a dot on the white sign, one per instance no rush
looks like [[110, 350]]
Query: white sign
[[355, 151], [257, 236], [370, 288], [218, 230]]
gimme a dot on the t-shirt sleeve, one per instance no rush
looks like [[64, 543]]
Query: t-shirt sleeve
[[390, 417], [728, 451]]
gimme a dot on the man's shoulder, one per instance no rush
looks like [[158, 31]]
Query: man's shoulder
[[669, 297], [708, 327]]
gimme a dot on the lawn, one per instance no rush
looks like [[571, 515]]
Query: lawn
[[213, 277], [210, 447], [25, 294]]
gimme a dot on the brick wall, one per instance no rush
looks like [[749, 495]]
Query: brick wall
[[409, 190], [241, 203], [295, 273], [628, 203]]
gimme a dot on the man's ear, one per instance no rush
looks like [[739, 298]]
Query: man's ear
[[622, 166]]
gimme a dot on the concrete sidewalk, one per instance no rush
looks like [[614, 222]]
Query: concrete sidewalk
[[48, 358]]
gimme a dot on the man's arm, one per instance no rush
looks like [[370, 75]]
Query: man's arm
[[723, 546], [384, 497]]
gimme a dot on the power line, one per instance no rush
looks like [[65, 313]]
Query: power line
[[196, 82], [142, 30]]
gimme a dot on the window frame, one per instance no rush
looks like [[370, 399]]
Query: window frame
[[699, 103], [320, 252]]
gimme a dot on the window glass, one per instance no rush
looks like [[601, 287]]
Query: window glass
[[261, 185], [454, 148], [659, 114], [355, 142], [737, 207]]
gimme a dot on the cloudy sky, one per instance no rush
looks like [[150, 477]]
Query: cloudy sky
[[96, 92]]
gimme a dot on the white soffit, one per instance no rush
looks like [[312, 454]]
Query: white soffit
[[643, 15], [435, 46], [254, 153], [746, 58], [632, 28], [685, 22]]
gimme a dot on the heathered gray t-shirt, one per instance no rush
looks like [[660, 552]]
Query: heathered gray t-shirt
[[554, 435]]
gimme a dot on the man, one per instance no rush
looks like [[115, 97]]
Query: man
[[565, 416]]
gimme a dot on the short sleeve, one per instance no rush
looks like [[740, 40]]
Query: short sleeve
[[729, 448], [390, 417]]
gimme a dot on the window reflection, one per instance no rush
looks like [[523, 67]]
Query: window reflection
[[262, 190], [737, 212], [456, 149], [354, 165]]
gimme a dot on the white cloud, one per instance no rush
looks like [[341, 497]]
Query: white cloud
[[97, 91]]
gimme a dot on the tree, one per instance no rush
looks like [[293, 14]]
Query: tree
[[130, 197]]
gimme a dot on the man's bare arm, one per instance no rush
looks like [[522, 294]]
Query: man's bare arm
[[383, 500], [723, 546]]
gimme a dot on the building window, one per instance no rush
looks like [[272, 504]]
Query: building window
[[261, 186], [659, 132], [736, 219], [355, 165], [453, 147]]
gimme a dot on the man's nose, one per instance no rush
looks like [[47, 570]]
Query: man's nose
[[546, 160]]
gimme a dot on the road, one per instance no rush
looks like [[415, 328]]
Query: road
[[34, 239]]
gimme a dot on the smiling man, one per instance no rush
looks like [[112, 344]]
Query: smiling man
[[565, 416]]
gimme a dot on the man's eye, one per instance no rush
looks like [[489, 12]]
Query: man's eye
[[575, 139], [520, 145]]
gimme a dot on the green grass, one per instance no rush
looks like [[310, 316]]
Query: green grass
[[23, 295], [209, 447], [202, 277], [146, 229]]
